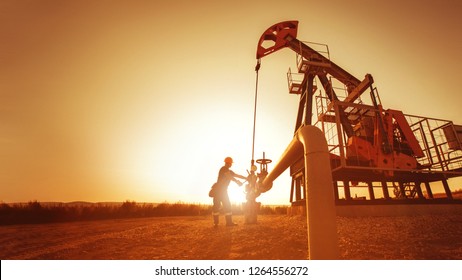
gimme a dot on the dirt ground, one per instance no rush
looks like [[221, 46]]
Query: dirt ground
[[195, 238]]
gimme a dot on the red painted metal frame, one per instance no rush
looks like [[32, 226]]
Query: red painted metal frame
[[276, 34]]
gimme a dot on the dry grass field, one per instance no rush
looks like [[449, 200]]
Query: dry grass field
[[195, 238]]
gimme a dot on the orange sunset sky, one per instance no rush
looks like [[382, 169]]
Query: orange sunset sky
[[142, 100]]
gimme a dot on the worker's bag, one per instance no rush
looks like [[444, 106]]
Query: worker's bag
[[213, 191]]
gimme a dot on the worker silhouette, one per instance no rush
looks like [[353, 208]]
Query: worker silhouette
[[221, 198]]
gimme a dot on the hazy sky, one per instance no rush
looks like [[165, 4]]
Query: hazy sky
[[142, 100]]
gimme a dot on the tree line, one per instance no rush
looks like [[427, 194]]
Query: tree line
[[36, 212]]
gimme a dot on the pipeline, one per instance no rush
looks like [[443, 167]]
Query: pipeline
[[320, 204]]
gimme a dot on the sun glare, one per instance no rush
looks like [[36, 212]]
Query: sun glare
[[236, 193]]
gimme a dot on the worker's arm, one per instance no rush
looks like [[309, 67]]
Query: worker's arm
[[237, 182], [233, 175], [237, 175]]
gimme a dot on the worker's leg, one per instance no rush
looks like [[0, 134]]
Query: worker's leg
[[228, 211], [216, 210]]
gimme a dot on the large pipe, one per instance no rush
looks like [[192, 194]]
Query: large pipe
[[320, 203]]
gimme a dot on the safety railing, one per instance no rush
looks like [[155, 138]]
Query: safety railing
[[429, 132], [302, 63], [294, 82]]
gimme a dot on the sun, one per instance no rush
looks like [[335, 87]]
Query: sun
[[236, 194]]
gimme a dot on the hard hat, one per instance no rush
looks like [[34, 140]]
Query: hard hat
[[228, 160]]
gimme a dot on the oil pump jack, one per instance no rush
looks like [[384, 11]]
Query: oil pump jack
[[369, 146]]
